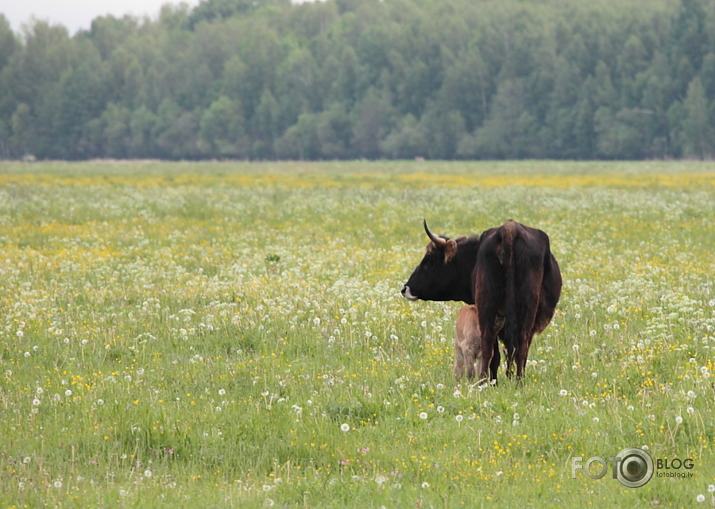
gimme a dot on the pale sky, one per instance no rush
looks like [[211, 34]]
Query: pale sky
[[78, 14]]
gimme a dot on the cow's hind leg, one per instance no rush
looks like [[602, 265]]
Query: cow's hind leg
[[522, 355], [494, 364], [488, 352], [510, 356], [527, 305]]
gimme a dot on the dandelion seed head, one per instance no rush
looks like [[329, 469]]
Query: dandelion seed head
[[345, 427]]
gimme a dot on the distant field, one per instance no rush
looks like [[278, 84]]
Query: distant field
[[232, 335]]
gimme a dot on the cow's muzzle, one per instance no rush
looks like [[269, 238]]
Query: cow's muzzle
[[407, 294]]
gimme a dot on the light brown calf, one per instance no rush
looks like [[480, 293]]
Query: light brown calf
[[467, 342]]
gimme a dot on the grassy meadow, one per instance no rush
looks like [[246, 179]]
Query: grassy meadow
[[232, 335]]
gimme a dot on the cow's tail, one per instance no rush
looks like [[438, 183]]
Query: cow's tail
[[507, 259]]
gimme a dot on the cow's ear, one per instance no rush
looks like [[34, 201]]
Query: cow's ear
[[450, 249]]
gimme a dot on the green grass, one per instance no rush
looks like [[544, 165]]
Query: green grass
[[202, 335]]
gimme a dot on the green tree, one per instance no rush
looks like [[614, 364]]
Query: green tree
[[268, 125], [301, 140], [22, 127], [175, 132], [115, 126], [8, 42], [142, 126], [697, 132], [212, 10], [334, 130], [406, 140], [371, 125], [688, 41], [510, 130], [221, 131]]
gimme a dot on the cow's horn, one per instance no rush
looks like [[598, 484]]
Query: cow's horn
[[439, 241]]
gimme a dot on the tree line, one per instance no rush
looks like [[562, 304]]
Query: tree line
[[440, 79]]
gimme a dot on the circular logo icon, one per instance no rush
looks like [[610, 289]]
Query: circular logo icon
[[635, 467]]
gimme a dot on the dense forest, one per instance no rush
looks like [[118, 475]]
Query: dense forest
[[441, 79]]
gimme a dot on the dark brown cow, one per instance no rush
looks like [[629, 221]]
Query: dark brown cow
[[508, 272]]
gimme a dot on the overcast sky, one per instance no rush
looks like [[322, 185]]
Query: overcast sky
[[78, 14]]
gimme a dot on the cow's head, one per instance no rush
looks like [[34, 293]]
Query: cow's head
[[437, 277]]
